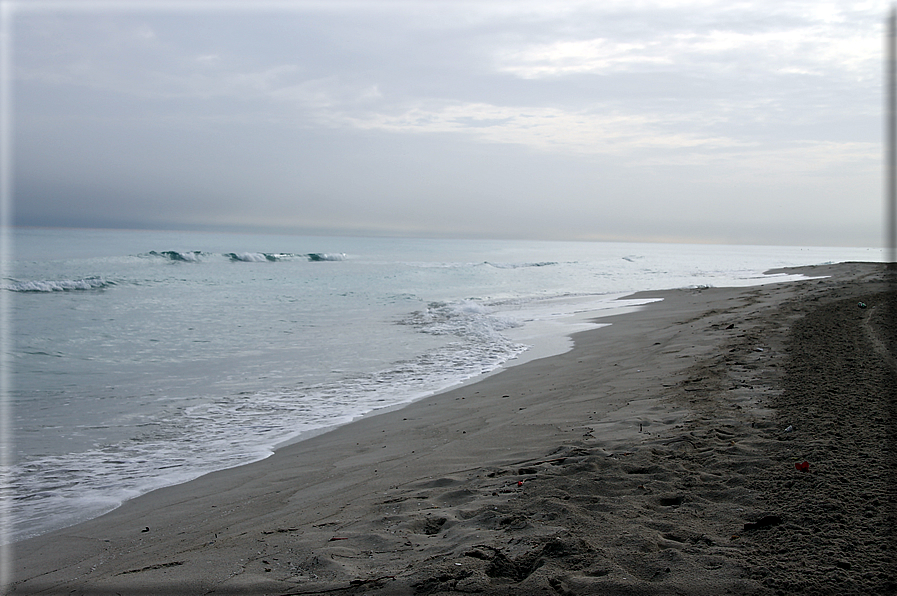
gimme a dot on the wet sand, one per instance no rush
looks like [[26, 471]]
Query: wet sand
[[654, 458]]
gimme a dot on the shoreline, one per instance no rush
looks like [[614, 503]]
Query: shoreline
[[555, 343], [552, 347], [475, 484]]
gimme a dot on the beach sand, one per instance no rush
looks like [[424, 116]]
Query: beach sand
[[656, 457]]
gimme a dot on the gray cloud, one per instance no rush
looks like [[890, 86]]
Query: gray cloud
[[709, 121]]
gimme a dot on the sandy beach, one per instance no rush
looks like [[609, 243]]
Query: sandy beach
[[664, 454]]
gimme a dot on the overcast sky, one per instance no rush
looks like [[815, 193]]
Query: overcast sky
[[710, 121]]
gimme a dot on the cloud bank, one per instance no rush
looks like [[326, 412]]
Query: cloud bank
[[702, 121]]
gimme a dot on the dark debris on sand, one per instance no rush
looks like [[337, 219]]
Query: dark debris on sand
[[839, 397]]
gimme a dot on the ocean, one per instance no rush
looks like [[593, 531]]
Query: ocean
[[142, 359]]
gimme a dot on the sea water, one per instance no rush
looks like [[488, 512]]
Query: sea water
[[143, 359]]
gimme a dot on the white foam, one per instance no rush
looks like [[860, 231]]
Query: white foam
[[65, 285], [249, 257], [548, 325]]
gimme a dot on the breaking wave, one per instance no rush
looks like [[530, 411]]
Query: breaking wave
[[197, 256], [175, 255], [251, 257], [323, 256], [469, 319], [64, 285]]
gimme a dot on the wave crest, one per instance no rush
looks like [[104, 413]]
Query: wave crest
[[251, 257], [176, 255], [323, 256], [468, 319], [196, 256], [64, 285]]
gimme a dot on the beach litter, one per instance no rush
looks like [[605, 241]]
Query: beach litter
[[803, 466]]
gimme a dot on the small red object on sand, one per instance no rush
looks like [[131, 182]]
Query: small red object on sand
[[803, 467], [520, 483]]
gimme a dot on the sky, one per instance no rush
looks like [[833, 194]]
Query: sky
[[756, 122]]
